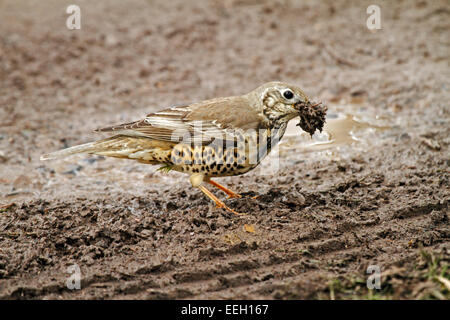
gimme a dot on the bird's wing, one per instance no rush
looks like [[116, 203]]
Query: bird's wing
[[200, 122]]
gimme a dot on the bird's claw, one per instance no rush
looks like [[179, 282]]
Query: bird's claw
[[223, 206], [234, 195]]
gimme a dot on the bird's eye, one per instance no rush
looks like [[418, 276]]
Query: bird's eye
[[288, 94]]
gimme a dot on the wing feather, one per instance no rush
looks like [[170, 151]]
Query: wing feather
[[201, 122]]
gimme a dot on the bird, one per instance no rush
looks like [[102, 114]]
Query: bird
[[220, 137]]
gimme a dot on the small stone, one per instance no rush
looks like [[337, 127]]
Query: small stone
[[405, 137], [431, 144], [73, 169]]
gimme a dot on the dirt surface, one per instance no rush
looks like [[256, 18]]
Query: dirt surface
[[318, 222]]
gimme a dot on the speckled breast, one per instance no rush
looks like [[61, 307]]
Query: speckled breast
[[226, 157]]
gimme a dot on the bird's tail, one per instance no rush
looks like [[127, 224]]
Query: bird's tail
[[82, 148], [136, 148]]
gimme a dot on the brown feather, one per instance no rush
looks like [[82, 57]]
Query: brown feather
[[203, 121]]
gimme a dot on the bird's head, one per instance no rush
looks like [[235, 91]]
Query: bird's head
[[278, 101]]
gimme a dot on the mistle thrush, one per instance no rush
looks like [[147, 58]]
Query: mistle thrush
[[214, 138]]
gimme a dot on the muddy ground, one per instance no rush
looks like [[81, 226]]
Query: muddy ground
[[320, 220]]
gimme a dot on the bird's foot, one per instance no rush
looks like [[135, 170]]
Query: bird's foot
[[224, 206], [233, 195], [217, 201], [228, 192]]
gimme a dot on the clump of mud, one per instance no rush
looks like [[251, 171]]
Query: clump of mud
[[312, 116]]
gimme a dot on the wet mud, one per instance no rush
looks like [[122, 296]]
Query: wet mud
[[371, 189]]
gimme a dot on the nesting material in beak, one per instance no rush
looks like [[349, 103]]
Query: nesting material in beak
[[312, 116]]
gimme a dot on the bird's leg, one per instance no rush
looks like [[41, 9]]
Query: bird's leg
[[230, 193], [217, 201], [196, 181]]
